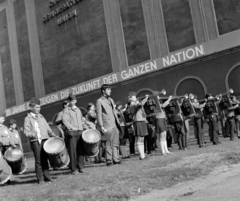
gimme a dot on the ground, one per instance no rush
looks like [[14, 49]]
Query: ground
[[135, 179]]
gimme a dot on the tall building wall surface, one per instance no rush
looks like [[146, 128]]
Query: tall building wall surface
[[49, 48]]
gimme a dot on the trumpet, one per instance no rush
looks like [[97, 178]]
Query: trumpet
[[186, 96], [155, 94]]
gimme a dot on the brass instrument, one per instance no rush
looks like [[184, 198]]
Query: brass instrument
[[186, 96], [156, 94]]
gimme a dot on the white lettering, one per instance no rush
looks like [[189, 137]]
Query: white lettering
[[199, 50], [166, 61], [173, 60], [190, 56]]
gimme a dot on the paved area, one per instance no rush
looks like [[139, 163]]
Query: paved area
[[223, 184]]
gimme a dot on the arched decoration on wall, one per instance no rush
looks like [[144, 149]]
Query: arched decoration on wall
[[191, 84], [144, 91], [232, 79]]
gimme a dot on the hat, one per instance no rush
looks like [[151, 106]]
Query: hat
[[34, 100], [12, 121], [71, 97], [105, 86], [131, 94]]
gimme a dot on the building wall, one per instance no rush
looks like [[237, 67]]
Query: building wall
[[38, 58]]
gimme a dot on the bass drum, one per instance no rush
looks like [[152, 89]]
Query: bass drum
[[57, 152], [5, 170], [15, 159], [91, 138]]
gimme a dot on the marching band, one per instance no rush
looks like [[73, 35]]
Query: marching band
[[141, 119]]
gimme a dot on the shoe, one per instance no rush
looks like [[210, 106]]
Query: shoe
[[219, 143], [117, 163], [40, 182], [184, 149], [80, 171], [109, 164], [143, 158], [200, 146], [169, 152], [215, 143], [75, 172], [48, 180]]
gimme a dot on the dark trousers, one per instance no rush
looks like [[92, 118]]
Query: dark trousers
[[148, 142], [213, 127], [132, 143], [41, 160], [200, 134], [76, 152], [231, 122], [169, 136], [179, 129]]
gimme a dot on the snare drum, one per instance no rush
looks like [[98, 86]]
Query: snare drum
[[91, 138], [57, 152], [15, 159]]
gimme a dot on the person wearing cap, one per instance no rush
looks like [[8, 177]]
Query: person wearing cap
[[212, 117], [38, 131], [6, 139], [109, 125], [72, 118], [139, 122], [198, 119]]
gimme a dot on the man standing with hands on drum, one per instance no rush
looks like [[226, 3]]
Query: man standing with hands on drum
[[73, 120], [108, 122], [38, 131]]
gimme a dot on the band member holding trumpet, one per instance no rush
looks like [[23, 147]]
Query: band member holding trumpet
[[124, 134], [38, 131], [109, 124], [230, 115], [211, 107], [161, 125], [139, 121], [198, 118]]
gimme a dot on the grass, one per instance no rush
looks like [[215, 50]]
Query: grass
[[121, 182]]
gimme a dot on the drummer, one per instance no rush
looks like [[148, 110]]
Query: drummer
[[14, 133], [6, 140], [73, 120], [58, 120], [38, 131]]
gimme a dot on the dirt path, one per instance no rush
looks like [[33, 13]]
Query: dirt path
[[220, 185]]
